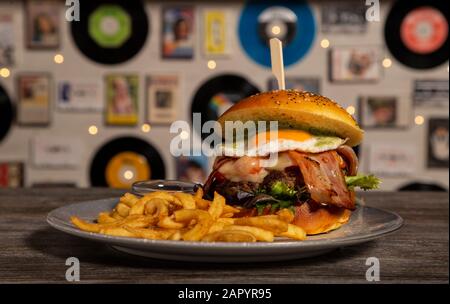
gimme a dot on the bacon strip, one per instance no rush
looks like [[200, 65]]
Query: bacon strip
[[350, 158], [324, 178]]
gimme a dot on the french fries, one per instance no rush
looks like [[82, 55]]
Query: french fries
[[184, 217]]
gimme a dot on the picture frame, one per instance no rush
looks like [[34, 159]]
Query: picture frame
[[343, 17], [194, 169], [7, 39], [162, 98], [431, 93], [33, 99], [12, 174], [310, 84], [392, 159], [383, 112], [215, 35], [42, 24], [355, 64], [178, 32], [79, 95], [438, 143], [121, 99]]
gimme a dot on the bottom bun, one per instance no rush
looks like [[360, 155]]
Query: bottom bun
[[315, 220]]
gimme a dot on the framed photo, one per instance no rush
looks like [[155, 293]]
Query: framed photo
[[42, 24], [215, 33], [33, 104], [178, 32], [79, 95], [12, 174], [438, 142], [310, 84], [122, 99], [343, 17], [394, 159], [7, 46], [192, 168], [431, 93], [355, 64], [162, 99], [383, 112], [56, 151]]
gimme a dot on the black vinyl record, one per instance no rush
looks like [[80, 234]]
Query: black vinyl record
[[124, 160], [110, 31], [6, 113], [277, 22], [217, 94], [416, 33]]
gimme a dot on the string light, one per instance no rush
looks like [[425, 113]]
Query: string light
[[93, 130], [58, 58], [419, 120], [351, 110], [128, 175], [276, 30], [212, 64], [325, 43], [4, 72], [387, 63], [146, 128], [184, 135]]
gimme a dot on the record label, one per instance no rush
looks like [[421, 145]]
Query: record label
[[6, 113], [277, 22], [125, 160], [127, 166], [110, 31], [110, 26], [417, 34], [290, 21], [218, 94], [424, 30]]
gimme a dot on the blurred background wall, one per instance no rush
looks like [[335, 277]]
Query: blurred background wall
[[397, 149]]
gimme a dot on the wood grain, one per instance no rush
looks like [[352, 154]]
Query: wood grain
[[33, 252]]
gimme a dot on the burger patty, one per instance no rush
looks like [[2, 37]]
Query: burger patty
[[317, 178], [248, 194]]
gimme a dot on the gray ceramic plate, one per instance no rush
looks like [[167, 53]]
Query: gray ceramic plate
[[365, 224]]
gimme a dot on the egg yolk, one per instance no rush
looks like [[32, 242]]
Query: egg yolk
[[295, 135]]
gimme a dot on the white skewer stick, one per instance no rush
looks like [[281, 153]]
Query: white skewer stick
[[276, 56]]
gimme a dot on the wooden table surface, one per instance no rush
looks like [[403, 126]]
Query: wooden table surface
[[33, 252]]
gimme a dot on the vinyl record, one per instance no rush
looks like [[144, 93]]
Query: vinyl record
[[416, 33], [125, 160], [6, 113], [290, 21], [110, 31], [217, 94]]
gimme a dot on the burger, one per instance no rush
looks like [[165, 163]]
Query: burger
[[315, 172]]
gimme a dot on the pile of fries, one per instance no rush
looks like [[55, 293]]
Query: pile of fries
[[181, 216]]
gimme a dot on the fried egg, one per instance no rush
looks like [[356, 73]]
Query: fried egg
[[284, 140]]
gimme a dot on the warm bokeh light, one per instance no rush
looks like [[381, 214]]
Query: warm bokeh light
[[93, 130], [325, 43], [387, 62], [4, 72], [351, 110], [276, 30], [146, 128], [128, 175], [58, 58], [184, 135], [212, 64], [419, 120]]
